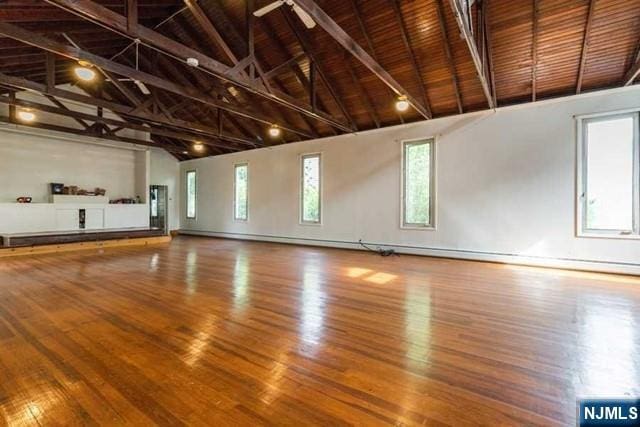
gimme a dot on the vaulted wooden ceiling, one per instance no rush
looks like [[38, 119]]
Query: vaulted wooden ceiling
[[303, 80]]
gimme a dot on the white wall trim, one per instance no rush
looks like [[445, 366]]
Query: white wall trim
[[472, 255]]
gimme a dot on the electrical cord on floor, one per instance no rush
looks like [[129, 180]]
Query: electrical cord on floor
[[380, 251]]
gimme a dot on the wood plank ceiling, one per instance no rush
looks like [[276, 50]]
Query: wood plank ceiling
[[304, 81]]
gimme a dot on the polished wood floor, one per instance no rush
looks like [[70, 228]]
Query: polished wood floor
[[220, 332]]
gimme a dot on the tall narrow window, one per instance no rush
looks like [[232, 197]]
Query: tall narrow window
[[609, 181], [241, 197], [417, 183], [191, 194], [311, 189]]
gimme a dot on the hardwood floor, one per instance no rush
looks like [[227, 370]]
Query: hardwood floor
[[221, 332]]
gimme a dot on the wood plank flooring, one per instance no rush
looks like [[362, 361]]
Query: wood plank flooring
[[219, 332]]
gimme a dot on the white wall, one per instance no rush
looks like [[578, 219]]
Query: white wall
[[505, 188], [31, 158], [29, 162]]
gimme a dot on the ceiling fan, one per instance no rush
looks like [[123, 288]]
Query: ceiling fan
[[304, 16]]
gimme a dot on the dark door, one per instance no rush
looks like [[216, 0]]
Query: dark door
[[158, 207]]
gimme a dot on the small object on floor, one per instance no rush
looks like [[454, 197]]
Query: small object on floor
[[380, 251], [24, 199]]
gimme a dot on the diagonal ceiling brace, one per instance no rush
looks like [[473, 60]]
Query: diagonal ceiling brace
[[94, 12], [348, 43], [462, 14], [74, 53]]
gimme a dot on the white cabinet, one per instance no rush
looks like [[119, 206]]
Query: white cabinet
[[43, 217], [67, 219], [94, 219]]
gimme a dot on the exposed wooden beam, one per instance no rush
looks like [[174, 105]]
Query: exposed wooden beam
[[447, 51], [214, 35], [534, 52], [72, 131], [51, 69], [99, 119], [235, 42], [12, 107], [372, 50], [36, 40], [215, 88], [313, 92], [305, 43], [364, 95], [489, 43], [406, 40], [209, 29], [633, 71], [96, 13], [251, 53], [466, 31], [134, 113], [348, 43], [285, 65], [62, 106], [585, 45], [132, 15], [278, 45]]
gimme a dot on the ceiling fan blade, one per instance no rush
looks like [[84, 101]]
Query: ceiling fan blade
[[143, 88], [268, 8], [304, 16]]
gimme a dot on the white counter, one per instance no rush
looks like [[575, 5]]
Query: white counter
[[37, 217], [79, 200]]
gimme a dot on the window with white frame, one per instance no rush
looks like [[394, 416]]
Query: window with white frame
[[608, 175], [311, 189], [241, 193], [418, 181], [191, 194]]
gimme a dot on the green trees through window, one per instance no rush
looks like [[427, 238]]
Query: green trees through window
[[311, 188], [417, 183], [610, 165], [241, 199]]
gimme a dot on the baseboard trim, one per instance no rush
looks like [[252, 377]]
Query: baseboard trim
[[502, 258]]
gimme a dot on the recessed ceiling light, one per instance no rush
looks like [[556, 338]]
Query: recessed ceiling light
[[185, 152], [275, 131], [84, 72], [402, 104], [193, 62], [198, 146], [26, 115]]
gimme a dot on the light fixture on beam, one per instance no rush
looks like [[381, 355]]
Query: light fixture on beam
[[275, 131], [402, 104], [198, 146], [84, 72], [26, 115]]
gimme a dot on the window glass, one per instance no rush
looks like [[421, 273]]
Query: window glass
[[417, 183], [241, 196], [311, 188]]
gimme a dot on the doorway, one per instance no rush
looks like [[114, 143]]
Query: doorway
[[158, 207]]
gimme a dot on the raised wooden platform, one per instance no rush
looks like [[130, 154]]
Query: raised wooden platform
[[17, 240], [67, 247]]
